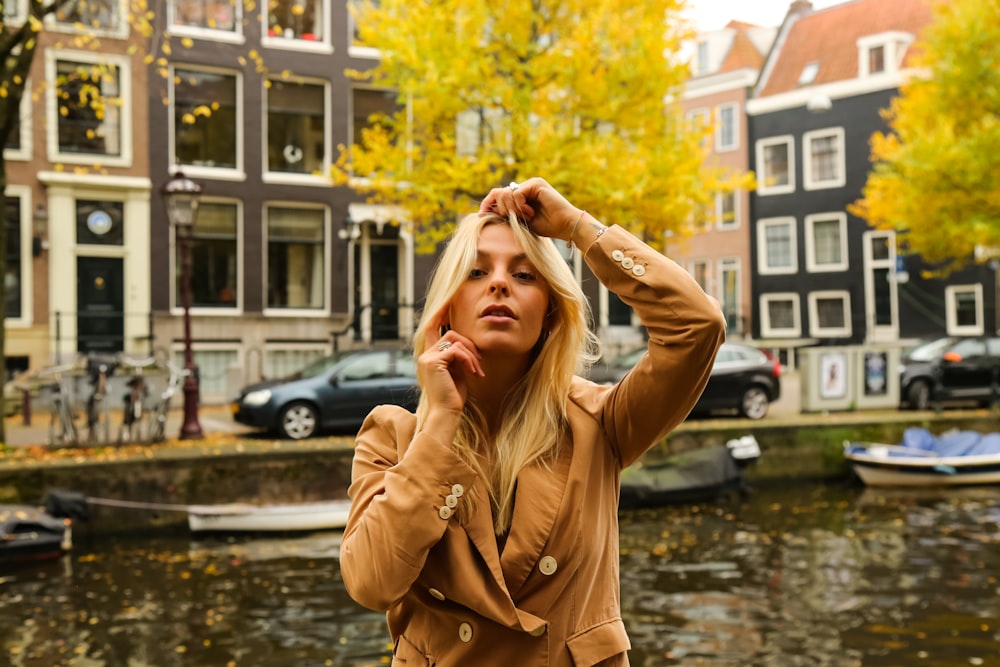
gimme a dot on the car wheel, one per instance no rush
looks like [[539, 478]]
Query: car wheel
[[919, 395], [298, 421], [754, 403]]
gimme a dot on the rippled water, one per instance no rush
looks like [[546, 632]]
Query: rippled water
[[806, 575]]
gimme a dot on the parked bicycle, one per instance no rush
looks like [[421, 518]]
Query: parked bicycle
[[62, 427], [99, 369], [158, 430], [134, 400]]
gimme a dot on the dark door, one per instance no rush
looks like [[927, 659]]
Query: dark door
[[385, 291], [100, 299]]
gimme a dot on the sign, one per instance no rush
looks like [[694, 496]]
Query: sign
[[875, 380]]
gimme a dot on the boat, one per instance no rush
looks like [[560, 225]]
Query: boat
[[245, 517], [29, 533], [696, 475], [924, 459]]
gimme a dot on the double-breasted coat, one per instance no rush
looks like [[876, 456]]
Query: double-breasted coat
[[552, 596]]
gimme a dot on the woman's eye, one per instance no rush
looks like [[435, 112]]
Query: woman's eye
[[524, 275], [476, 273]]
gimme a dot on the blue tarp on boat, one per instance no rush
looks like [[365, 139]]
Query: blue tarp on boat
[[956, 443]]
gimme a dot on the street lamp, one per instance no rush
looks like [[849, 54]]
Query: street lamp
[[180, 196]]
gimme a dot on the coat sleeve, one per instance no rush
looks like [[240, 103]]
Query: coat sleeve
[[685, 326], [401, 506]]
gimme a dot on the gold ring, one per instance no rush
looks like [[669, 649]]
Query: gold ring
[[444, 345]]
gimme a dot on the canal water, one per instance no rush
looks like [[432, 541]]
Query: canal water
[[825, 575]]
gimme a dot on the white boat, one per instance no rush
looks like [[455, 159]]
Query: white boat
[[244, 517], [923, 459]]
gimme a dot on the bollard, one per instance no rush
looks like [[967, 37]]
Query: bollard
[[26, 407]]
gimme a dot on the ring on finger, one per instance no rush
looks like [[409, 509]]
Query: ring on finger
[[513, 186], [444, 345]]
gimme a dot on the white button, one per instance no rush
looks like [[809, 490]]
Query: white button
[[628, 263], [436, 593], [457, 490], [639, 270], [465, 632], [445, 512], [451, 501], [538, 632], [617, 255], [548, 565]]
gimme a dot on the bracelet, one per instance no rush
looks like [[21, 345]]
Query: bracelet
[[569, 241]]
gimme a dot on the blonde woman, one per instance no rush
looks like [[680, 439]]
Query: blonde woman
[[486, 525]]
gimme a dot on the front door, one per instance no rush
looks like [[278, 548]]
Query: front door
[[381, 303], [100, 299]]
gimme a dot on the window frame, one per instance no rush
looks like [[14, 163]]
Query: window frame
[[322, 45], [951, 293], [120, 32], [763, 189], [812, 263], [723, 266], [766, 330], [720, 146], [176, 308], [810, 182], [24, 151], [274, 311], [124, 68], [24, 194], [291, 178], [816, 330], [237, 173], [234, 36], [720, 222], [354, 50], [762, 265]]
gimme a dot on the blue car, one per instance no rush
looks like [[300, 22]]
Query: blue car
[[335, 392]]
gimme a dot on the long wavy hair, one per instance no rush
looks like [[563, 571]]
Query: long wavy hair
[[534, 412]]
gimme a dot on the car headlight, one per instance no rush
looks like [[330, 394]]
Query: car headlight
[[257, 398]]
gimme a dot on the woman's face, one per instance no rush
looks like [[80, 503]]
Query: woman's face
[[502, 303]]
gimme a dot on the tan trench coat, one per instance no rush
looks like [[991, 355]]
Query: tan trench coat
[[552, 597]]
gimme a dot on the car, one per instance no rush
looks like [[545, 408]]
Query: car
[[334, 392], [950, 369], [745, 379]]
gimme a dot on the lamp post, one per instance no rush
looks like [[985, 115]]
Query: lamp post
[[180, 196]]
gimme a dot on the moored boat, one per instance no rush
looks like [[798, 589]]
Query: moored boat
[[29, 533], [244, 517], [924, 459]]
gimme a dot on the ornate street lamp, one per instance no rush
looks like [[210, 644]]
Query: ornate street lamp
[[180, 196]]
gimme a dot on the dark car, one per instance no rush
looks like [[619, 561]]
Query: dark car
[[335, 392], [744, 378], [951, 369]]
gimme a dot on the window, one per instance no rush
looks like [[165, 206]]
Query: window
[[13, 287], [699, 271], [481, 129], [824, 159], [205, 14], [830, 314], [372, 107], [296, 127], [89, 108], [779, 316], [698, 121], [729, 297], [876, 59], [214, 256], [205, 119], [776, 246], [357, 48], [964, 304], [882, 52], [701, 63], [776, 165], [727, 133], [18, 145], [295, 19], [826, 242], [100, 222], [14, 11], [90, 14], [296, 271], [725, 206], [809, 73]]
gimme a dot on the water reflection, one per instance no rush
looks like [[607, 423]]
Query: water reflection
[[824, 576]]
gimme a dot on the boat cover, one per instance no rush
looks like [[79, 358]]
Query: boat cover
[[955, 443]]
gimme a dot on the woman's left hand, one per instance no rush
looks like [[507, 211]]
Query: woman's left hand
[[543, 209]]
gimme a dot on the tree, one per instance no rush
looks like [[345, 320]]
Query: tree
[[583, 93], [935, 178]]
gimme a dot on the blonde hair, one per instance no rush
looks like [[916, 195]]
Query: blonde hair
[[534, 412]]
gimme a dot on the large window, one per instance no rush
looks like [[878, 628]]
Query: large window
[[830, 314], [205, 119], [779, 316], [775, 165], [89, 108], [296, 270], [824, 159], [729, 293], [964, 304], [727, 132], [12, 277], [725, 208], [295, 19], [371, 107], [776, 246], [205, 14], [91, 14], [214, 257], [296, 127], [826, 242]]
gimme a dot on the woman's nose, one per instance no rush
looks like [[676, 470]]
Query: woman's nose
[[498, 283]]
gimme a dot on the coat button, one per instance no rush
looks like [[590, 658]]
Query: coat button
[[457, 490], [638, 270], [436, 593], [628, 263], [465, 632], [538, 632], [451, 501], [617, 255], [548, 565], [445, 512]]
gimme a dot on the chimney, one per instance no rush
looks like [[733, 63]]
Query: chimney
[[800, 7]]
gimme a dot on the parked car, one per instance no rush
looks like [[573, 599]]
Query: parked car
[[335, 392], [744, 378], [951, 369]]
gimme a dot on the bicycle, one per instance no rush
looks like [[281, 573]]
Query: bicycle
[[66, 434], [158, 431], [98, 369], [134, 400]]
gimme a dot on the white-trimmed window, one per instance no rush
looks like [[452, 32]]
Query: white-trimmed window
[[298, 23], [777, 251], [18, 146], [776, 165], [883, 52], [17, 280], [964, 304], [823, 161], [826, 242], [698, 121], [207, 120], [297, 128], [699, 271], [356, 48], [95, 17], [14, 11], [830, 314], [88, 108], [729, 293], [297, 267], [779, 315], [727, 210], [702, 63], [727, 129], [215, 257], [211, 19]]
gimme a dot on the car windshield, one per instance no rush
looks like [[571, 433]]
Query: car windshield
[[929, 351], [317, 367]]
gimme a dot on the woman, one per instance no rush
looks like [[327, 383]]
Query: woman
[[486, 525]]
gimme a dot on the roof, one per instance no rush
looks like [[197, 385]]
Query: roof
[[830, 37], [743, 52]]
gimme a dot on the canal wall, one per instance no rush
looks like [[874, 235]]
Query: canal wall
[[157, 483]]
